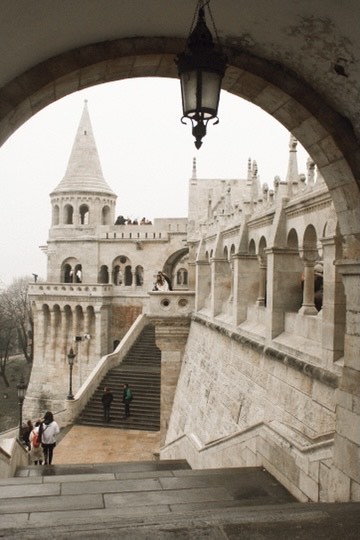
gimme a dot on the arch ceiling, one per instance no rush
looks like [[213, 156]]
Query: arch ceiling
[[299, 61]]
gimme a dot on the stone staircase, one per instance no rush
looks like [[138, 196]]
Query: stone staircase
[[141, 370], [163, 500]]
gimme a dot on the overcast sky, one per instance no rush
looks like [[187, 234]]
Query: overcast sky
[[145, 152]]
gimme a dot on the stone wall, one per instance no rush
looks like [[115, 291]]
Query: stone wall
[[230, 385]]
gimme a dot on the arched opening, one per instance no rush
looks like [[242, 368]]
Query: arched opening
[[104, 274], [128, 277], [329, 140], [56, 215], [261, 300], [67, 273], [296, 105], [139, 276], [68, 214], [84, 214], [105, 215], [295, 266]]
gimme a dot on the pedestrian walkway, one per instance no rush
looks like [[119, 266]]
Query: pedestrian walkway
[[84, 444], [163, 500]]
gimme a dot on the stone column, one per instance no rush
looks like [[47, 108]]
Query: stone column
[[171, 337], [53, 330], [345, 474], [308, 306], [261, 299], [275, 294], [334, 304], [245, 283], [220, 284], [203, 283], [39, 336]]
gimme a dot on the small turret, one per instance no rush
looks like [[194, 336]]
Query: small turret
[[292, 176], [75, 201]]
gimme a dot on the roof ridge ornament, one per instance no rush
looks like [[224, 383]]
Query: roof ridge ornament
[[201, 68]]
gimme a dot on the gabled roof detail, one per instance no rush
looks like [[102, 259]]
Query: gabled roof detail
[[84, 171]]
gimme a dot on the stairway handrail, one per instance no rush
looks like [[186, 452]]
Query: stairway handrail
[[301, 442], [107, 362]]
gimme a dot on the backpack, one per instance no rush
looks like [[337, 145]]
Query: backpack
[[36, 439]]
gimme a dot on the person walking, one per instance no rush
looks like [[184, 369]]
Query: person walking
[[106, 400], [127, 398], [26, 430], [36, 452], [48, 431]]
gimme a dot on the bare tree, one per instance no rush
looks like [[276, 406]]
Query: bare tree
[[7, 338], [17, 312]]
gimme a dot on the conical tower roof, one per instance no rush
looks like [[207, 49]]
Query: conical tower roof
[[84, 171]]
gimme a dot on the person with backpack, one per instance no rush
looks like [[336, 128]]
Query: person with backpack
[[127, 398], [48, 431], [36, 451]]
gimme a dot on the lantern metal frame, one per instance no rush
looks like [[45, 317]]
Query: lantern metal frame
[[70, 357], [201, 68], [21, 388]]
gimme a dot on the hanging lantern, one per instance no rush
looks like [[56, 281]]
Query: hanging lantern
[[201, 68]]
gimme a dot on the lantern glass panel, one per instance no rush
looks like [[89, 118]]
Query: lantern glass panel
[[210, 90], [188, 91], [204, 102]]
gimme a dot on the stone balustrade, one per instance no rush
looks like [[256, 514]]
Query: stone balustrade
[[171, 303], [75, 289]]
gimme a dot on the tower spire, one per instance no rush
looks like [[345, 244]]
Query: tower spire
[[84, 172], [194, 169]]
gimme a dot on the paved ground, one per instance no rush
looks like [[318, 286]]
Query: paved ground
[[83, 444], [88, 494]]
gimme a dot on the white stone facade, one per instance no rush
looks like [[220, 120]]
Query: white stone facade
[[99, 275], [264, 376], [262, 379]]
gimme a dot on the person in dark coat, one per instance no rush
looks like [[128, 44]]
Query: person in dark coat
[[106, 400], [127, 398]]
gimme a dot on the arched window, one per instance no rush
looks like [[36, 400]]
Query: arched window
[[56, 215], [128, 276], [139, 276], [84, 214], [118, 275], [78, 274], [105, 215], [67, 273], [182, 277], [252, 248], [104, 274], [292, 240], [68, 214]]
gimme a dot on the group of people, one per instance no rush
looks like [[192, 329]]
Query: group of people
[[40, 439], [108, 397], [121, 220]]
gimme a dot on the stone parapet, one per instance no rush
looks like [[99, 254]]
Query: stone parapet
[[171, 303]]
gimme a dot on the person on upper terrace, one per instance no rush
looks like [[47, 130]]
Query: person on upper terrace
[[120, 220], [162, 282]]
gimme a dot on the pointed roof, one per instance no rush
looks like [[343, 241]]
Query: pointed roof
[[84, 171]]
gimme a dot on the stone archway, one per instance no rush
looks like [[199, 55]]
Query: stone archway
[[327, 136]]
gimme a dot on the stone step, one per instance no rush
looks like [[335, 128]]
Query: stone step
[[143, 377], [163, 500]]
